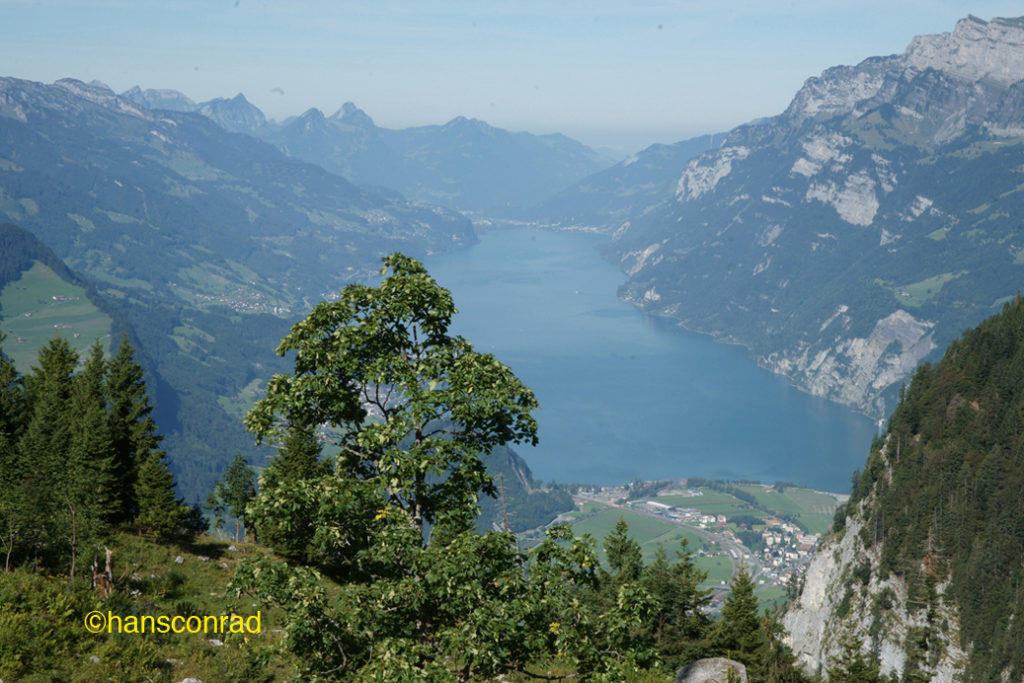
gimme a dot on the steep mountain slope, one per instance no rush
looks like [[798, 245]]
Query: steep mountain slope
[[926, 572], [858, 232], [208, 241], [608, 199]]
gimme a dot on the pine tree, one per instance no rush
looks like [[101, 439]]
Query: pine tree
[[853, 665], [738, 634], [86, 487], [132, 427], [680, 623], [12, 396], [41, 460], [299, 455], [12, 419], [160, 514], [281, 487], [623, 553]]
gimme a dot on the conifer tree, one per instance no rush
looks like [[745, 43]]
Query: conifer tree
[[86, 485], [12, 417], [12, 396], [680, 623], [282, 486], [853, 665], [160, 514], [131, 424], [42, 450], [623, 553], [738, 634]]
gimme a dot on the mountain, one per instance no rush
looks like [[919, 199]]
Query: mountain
[[465, 164], [237, 114], [855, 234], [209, 243], [471, 165], [608, 199], [171, 100], [924, 574], [348, 143]]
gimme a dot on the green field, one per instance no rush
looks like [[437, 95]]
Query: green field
[[918, 293], [31, 316], [814, 510], [711, 503], [599, 521]]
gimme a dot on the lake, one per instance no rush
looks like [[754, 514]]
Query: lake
[[625, 395]]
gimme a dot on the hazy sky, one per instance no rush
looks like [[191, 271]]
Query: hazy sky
[[619, 73]]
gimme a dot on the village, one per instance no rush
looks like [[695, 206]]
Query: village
[[774, 550]]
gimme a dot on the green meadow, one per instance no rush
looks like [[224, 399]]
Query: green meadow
[[40, 306]]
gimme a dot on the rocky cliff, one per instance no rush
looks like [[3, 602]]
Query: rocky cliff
[[924, 575]]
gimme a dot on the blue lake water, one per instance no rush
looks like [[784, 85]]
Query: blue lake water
[[625, 395]]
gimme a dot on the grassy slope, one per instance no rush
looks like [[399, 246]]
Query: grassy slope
[[33, 295], [43, 638]]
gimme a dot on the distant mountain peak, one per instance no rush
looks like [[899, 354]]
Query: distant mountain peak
[[467, 123], [975, 50], [99, 93], [150, 98], [353, 115], [237, 114]]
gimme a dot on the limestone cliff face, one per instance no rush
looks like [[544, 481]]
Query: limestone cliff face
[[843, 596], [855, 370], [846, 239]]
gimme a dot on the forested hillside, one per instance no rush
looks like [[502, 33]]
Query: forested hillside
[[938, 514]]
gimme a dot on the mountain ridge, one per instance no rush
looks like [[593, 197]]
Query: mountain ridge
[[464, 163], [819, 238]]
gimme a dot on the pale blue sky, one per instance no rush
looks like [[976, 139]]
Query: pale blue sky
[[622, 74]]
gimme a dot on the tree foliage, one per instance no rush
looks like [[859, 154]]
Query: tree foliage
[[67, 480], [420, 594]]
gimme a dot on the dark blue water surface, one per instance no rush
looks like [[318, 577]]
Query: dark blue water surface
[[625, 395]]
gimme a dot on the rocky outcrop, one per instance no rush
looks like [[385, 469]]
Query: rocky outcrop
[[847, 596], [856, 370], [713, 670], [976, 50]]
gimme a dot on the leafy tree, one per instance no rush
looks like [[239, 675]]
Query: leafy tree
[[421, 597], [436, 404], [234, 491]]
